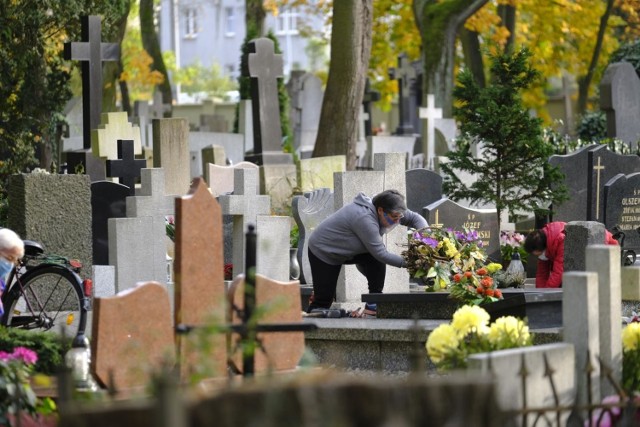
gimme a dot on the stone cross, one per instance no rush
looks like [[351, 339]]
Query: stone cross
[[126, 168], [430, 114], [92, 52], [244, 205], [370, 96], [406, 76], [265, 67], [114, 126], [158, 109]]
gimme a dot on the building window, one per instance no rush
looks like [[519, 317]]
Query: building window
[[287, 22], [229, 22], [230, 70], [191, 23]]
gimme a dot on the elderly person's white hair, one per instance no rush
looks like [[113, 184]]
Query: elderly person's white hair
[[11, 243]]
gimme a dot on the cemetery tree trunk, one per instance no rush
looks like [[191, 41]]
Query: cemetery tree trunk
[[585, 81], [507, 14], [151, 44], [439, 22], [472, 55], [255, 16], [113, 69], [350, 53]]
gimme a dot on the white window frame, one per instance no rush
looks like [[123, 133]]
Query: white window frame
[[190, 22], [229, 21], [287, 22]]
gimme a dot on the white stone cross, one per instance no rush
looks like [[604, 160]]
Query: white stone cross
[[430, 113]]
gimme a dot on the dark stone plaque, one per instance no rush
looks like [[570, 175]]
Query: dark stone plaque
[[108, 200], [423, 188], [622, 207]]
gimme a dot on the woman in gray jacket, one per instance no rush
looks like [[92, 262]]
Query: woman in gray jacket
[[353, 235]]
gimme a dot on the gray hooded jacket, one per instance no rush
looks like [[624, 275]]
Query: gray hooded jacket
[[355, 229]]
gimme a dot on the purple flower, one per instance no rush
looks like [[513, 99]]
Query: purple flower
[[430, 242], [4, 356], [29, 357]]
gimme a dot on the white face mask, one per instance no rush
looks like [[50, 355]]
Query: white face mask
[[5, 268], [543, 256]]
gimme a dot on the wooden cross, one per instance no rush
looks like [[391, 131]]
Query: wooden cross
[[92, 52], [265, 67], [431, 113], [598, 168], [127, 168]]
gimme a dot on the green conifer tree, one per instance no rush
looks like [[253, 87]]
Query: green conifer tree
[[512, 170]]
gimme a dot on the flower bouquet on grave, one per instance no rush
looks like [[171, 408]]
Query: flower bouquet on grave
[[469, 332], [510, 243], [170, 227], [477, 286]]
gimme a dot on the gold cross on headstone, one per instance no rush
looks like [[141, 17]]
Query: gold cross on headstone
[[598, 168], [437, 224]]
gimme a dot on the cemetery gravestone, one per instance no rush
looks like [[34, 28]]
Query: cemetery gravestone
[[108, 200], [431, 114], [423, 188], [54, 210], [200, 291], [579, 234], [305, 93], [622, 207], [574, 166], [603, 165], [126, 168], [171, 152], [213, 154], [620, 99], [370, 96], [318, 172], [272, 245], [232, 144], [446, 213], [92, 52], [158, 109], [406, 76], [265, 67], [389, 144], [244, 205], [309, 211], [132, 336], [141, 118], [114, 126], [221, 178], [280, 300]]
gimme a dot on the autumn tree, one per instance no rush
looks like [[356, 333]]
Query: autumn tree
[[350, 52], [151, 45], [512, 172]]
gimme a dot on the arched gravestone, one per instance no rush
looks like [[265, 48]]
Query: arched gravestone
[[446, 213], [622, 207], [620, 100], [423, 188]]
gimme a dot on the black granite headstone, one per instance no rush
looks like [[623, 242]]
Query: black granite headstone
[[622, 207], [370, 96], [406, 76], [423, 188], [108, 200], [85, 161], [603, 165], [265, 67], [127, 168], [446, 213], [574, 167]]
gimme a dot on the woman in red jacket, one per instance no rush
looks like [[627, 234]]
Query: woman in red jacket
[[547, 244]]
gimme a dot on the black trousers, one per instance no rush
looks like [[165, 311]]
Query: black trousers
[[325, 277]]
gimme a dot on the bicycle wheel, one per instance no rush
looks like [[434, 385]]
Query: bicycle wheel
[[48, 297]]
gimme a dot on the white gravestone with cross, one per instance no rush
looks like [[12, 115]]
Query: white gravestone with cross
[[430, 114], [114, 126]]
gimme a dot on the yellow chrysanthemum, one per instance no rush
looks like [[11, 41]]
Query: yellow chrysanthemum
[[509, 332], [631, 336], [442, 341], [470, 318], [493, 267]]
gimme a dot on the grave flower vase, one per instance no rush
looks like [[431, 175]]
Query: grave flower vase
[[294, 265]]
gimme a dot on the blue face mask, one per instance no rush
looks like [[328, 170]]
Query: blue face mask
[[5, 268]]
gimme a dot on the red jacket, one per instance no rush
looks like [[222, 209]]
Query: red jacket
[[549, 272]]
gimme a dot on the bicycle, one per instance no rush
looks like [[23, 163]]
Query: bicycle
[[45, 291]]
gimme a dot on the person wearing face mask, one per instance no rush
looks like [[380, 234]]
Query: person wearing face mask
[[11, 250], [547, 244], [353, 235]]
